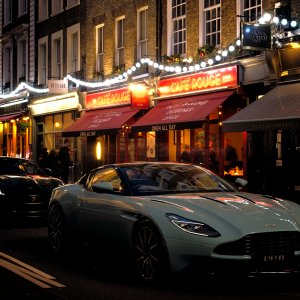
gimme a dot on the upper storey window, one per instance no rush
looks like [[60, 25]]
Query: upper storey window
[[43, 9], [142, 41], [178, 41], [212, 19], [252, 9], [120, 42], [7, 11]]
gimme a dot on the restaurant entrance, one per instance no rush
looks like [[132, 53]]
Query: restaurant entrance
[[273, 163], [292, 139]]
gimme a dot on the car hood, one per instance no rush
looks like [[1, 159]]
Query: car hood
[[242, 210], [46, 183]]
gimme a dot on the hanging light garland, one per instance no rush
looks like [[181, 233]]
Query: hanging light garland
[[21, 87], [267, 18], [222, 53]]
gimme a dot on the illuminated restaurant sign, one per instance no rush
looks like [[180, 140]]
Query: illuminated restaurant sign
[[198, 82], [108, 98], [139, 97]]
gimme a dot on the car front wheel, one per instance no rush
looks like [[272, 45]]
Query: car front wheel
[[56, 238], [149, 253]]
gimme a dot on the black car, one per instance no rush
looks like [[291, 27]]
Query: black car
[[25, 189]]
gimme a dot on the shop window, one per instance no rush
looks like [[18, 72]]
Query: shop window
[[131, 147], [58, 141], [48, 141], [58, 122], [233, 148], [141, 145], [67, 120], [122, 147], [151, 144], [213, 147], [162, 146], [48, 126]]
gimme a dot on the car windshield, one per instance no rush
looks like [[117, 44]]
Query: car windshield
[[174, 178], [9, 166]]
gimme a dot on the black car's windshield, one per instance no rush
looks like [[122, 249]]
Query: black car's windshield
[[166, 178], [10, 166]]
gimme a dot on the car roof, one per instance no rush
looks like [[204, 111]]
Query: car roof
[[142, 163]]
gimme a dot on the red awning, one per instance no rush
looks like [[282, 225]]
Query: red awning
[[9, 117], [180, 113], [99, 121]]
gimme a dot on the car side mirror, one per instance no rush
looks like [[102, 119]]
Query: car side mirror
[[102, 187]]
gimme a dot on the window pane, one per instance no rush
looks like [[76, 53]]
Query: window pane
[[212, 23], [179, 26]]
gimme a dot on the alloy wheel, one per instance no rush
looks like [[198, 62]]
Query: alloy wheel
[[55, 229], [148, 251]]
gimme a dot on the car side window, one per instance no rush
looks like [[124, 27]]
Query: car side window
[[107, 175]]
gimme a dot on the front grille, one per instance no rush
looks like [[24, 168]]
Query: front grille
[[258, 244]]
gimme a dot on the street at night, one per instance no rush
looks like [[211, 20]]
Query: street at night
[[159, 142], [27, 271]]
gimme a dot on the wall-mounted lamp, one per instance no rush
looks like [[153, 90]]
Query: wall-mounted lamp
[[98, 149]]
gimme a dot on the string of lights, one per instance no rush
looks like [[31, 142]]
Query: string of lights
[[267, 18]]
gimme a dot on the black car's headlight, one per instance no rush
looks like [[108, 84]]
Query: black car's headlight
[[1, 193], [193, 227]]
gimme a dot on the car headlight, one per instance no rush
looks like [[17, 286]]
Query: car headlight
[[193, 227], [1, 193]]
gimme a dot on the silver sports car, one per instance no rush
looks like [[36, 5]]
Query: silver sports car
[[173, 216]]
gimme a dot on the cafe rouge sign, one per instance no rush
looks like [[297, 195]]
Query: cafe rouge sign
[[199, 82], [118, 97]]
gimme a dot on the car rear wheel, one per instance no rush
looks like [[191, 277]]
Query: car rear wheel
[[56, 234], [149, 253]]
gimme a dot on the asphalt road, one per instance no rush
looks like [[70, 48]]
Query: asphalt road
[[28, 272]]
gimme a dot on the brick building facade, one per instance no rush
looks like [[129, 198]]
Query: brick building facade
[[100, 46]]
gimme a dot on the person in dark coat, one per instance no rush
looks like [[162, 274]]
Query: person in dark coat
[[230, 156], [185, 155], [43, 159], [53, 163], [198, 155]]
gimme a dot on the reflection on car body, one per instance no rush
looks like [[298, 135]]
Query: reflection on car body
[[174, 216]]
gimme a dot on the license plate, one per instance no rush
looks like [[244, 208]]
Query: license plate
[[270, 258]]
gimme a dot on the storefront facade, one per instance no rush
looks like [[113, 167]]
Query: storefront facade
[[51, 115], [15, 128], [272, 126], [188, 116], [104, 128]]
